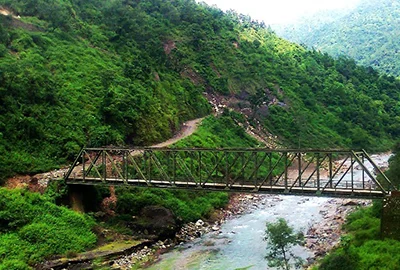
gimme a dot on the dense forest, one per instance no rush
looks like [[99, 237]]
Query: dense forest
[[368, 34], [128, 72], [94, 73]]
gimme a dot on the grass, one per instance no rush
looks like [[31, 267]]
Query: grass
[[33, 228]]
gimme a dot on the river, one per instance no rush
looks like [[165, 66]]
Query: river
[[239, 243]]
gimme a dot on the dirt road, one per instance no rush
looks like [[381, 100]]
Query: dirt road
[[188, 128], [39, 181]]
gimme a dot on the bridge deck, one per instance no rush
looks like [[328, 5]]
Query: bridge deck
[[304, 191]]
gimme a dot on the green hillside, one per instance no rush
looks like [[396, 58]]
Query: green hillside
[[369, 34], [99, 72]]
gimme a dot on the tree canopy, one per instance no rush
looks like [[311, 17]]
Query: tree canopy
[[281, 238], [96, 73], [367, 34]]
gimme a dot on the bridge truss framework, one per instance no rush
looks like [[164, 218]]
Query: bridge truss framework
[[334, 173]]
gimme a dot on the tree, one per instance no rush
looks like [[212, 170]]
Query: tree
[[280, 238]]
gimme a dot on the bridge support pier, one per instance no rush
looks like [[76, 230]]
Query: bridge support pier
[[75, 195], [390, 220]]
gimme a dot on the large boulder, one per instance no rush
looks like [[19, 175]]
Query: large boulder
[[157, 220]]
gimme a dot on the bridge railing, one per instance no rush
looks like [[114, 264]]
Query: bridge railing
[[288, 171]]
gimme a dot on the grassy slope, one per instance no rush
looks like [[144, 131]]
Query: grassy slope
[[32, 228], [98, 73]]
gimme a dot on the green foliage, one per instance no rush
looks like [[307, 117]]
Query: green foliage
[[362, 248], [281, 238], [363, 225], [33, 228], [187, 206], [97, 73], [366, 33], [341, 259], [394, 167]]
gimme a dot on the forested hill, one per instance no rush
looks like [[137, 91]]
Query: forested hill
[[98, 72], [369, 34]]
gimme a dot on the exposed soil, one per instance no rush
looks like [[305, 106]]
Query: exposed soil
[[188, 128], [251, 125], [6, 12], [193, 76], [169, 46], [16, 22]]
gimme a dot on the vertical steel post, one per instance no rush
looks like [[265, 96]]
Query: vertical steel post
[[286, 176], [200, 155], [125, 159], [256, 164], [352, 174], [270, 168], [318, 173], [300, 170], [363, 172], [226, 168], [149, 167], [174, 165], [104, 164], [242, 172], [83, 166], [330, 170]]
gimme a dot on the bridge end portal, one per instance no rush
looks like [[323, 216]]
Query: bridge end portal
[[390, 220]]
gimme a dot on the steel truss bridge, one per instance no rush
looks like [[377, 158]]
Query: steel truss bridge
[[334, 173]]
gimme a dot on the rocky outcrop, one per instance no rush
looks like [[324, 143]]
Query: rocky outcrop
[[157, 221]]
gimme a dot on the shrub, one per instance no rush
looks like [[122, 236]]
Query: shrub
[[341, 259], [35, 228]]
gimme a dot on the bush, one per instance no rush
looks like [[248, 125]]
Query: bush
[[341, 259], [362, 248], [13, 265], [35, 228], [363, 225], [186, 205]]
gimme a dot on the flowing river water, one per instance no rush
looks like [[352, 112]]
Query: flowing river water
[[239, 243]]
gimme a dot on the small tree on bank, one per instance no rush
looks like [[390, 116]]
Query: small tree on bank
[[281, 238]]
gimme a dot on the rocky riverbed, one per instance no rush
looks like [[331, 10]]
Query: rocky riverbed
[[320, 237], [238, 204], [325, 235]]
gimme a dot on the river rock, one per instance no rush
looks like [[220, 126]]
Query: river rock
[[349, 203], [215, 228], [199, 223], [156, 220]]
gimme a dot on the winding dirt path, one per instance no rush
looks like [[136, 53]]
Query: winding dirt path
[[39, 181], [188, 128]]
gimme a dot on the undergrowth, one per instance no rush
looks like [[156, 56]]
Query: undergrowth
[[33, 228]]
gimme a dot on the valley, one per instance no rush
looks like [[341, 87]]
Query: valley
[[178, 74]]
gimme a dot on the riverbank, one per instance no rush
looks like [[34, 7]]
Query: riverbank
[[325, 235], [238, 204], [321, 236]]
